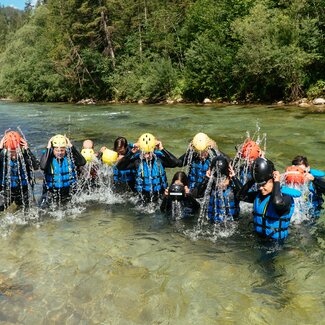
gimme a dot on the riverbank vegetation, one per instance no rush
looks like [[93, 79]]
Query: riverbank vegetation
[[131, 50]]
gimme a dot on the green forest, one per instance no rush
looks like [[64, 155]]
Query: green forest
[[155, 50]]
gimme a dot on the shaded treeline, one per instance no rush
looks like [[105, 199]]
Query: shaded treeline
[[248, 50]]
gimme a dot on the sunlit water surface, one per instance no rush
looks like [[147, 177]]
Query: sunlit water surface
[[104, 260]]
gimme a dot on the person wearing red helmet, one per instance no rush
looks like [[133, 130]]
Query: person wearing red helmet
[[300, 174], [17, 165]]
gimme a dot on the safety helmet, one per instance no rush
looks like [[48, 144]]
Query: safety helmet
[[262, 170], [220, 166], [250, 150], [294, 175], [176, 192], [12, 140], [109, 157], [147, 142], [59, 141], [201, 142], [88, 154]]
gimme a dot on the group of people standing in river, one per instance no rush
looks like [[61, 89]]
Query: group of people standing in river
[[209, 181]]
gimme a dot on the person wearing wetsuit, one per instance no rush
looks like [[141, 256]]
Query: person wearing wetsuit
[[124, 179], [59, 164], [178, 201], [316, 185], [273, 207], [198, 158], [148, 160], [220, 187], [17, 166]]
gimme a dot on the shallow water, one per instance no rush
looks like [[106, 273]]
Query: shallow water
[[106, 261]]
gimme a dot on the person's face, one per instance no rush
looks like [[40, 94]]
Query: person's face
[[304, 168], [204, 155], [147, 155], [121, 151], [13, 154], [267, 187], [59, 153]]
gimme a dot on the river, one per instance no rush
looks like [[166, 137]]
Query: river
[[108, 261]]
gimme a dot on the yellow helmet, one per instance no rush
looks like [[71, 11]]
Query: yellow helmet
[[88, 154], [147, 142], [109, 157], [59, 141], [201, 142]]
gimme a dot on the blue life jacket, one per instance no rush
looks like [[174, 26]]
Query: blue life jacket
[[17, 174], [126, 175], [266, 220], [123, 176], [60, 174], [317, 173], [197, 172], [223, 205], [151, 180]]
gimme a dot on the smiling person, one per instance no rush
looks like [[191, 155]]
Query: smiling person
[[59, 163], [273, 205]]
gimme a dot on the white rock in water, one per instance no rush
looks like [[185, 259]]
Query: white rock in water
[[304, 105], [319, 101], [207, 101]]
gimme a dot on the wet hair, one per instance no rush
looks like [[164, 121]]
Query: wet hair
[[120, 142], [180, 176], [299, 160]]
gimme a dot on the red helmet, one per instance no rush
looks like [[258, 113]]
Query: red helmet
[[12, 140], [294, 175], [251, 150]]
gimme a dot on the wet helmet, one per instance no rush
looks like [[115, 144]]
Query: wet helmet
[[147, 142], [220, 166], [176, 192], [250, 150], [59, 141], [262, 170], [201, 142], [294, 175], [109, 157], [88, 154], [12, 140]]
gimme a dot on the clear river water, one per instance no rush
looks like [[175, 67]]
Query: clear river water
[[105, 260]]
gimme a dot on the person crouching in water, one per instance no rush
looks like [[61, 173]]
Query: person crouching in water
[[273, 205], [148, 159], [59, 164], [308, 181], [17, 165], [178, 202], [220, 188]]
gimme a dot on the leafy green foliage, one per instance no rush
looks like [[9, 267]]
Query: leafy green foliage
[[153, 50]]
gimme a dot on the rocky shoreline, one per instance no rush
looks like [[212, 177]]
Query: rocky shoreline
[[316, 103]]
